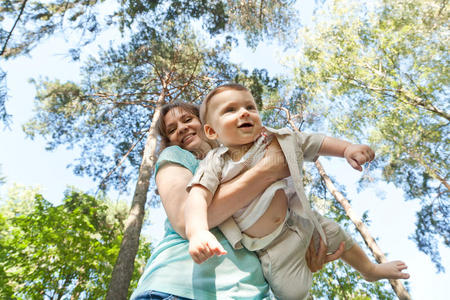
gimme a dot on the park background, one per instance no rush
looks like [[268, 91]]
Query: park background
[[25, 162]]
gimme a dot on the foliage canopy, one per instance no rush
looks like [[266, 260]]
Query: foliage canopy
[[57, 251], [384, 68]]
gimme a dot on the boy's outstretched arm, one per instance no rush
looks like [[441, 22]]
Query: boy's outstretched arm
[[202, 243], [355, 154]]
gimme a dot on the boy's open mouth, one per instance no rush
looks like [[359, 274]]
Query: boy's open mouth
[[245, 125]]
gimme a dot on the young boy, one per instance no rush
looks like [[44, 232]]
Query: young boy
[[279, 224]]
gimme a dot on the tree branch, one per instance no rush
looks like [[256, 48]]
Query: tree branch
[[122, 159], [410, 97], [109, 97], [183, 87], [22, 9], [430, 171], [414, 100]]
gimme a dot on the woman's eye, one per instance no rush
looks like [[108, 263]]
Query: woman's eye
[[187, 120], [170, 131]]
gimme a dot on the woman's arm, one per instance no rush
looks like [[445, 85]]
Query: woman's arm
[[317, 259], [172, 180], [241, 190]]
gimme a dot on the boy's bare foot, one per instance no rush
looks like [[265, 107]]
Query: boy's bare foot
[[389, 270]]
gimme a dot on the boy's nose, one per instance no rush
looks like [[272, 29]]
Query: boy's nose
[[244, 113]]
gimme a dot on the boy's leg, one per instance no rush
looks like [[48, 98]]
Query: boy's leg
[[356, 258], [284, 264], [334, 233]]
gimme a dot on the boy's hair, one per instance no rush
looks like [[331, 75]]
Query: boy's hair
[[161, 124], [218, 90]]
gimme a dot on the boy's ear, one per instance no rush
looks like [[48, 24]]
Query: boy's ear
[[209, 132]]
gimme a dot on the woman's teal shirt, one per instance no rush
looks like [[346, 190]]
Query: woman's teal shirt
[[237, 275]]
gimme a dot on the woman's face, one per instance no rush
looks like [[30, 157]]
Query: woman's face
[[185, 130]]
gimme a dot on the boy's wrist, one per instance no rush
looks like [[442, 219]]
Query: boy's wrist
[[334, 147], [192, 232], [346, 149]]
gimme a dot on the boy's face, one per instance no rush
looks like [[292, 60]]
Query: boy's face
[[233, 118]]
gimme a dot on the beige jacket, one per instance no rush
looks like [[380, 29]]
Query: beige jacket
[[296, 147]]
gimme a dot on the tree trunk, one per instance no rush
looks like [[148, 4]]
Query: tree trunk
[[396, 284], [123, 269]]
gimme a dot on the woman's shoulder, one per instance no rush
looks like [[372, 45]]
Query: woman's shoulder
[[174, 150], [177, 155]]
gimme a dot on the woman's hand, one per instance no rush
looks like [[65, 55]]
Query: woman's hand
[[317, 259], [274, 163], [242, 189]]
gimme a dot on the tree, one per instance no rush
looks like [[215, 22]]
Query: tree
[[26, 23], [256, 20], [382, 69], [60, 251], [109, 113], [396, 284], [117, 106], [31, 21], [4, 116], [119, 101], [20, 200]]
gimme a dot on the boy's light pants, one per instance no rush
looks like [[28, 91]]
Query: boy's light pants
[[283, 261]]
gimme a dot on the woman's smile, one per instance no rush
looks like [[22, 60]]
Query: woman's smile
[[188, 138]]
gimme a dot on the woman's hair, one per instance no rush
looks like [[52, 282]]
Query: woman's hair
[[161, 124]]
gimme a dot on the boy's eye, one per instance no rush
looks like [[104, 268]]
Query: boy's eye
[[251, 107], [229, 109]]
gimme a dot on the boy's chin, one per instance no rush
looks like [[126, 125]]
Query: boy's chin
[[250, 139]]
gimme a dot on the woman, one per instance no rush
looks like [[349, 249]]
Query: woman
[[170, 271]]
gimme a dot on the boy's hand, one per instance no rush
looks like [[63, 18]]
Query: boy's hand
[[358, 155], [203, 245]]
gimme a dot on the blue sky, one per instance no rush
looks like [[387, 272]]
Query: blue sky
[[26, 162]]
